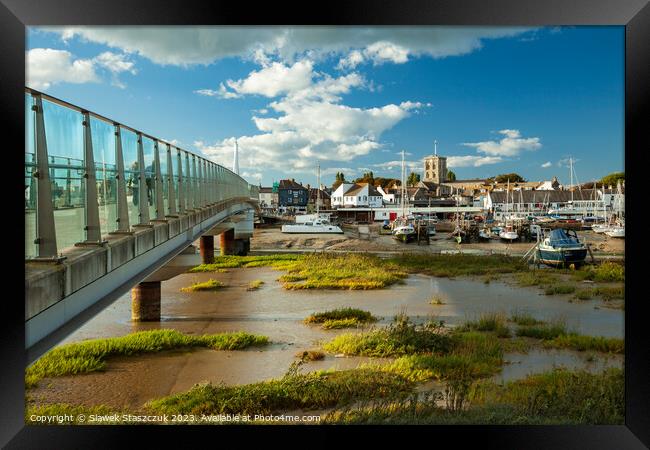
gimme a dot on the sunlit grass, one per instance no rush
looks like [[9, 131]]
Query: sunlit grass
[[91, 355], [255, 285], [210, 285]]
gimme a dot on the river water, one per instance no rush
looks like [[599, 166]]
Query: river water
[[278, 314]]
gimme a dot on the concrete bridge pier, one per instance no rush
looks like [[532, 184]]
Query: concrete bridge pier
[[207, 249], [227, 241], [145, 302], [242, 246]]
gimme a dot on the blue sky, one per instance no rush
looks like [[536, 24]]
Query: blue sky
[[497, 100]]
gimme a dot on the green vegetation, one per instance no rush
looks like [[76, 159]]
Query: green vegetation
[[556, 335], [341, 314], [584, 343], [495, 322], [341, 323], [90, 356], [560, 289], [451, 176], [555, 397], [473, 355], [334, 271], [505, 177], [545, 331], [523, 318], [613, 178], [294, 391], [607, 293], [436, 300], [605, 272], [254, 285], [458, 264], [228, 261], [311, 355], [413, 179], [401, 337], [210, 285], [536, 278]]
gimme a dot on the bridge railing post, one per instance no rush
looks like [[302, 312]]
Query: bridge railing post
[[195, 189], [122, 205], [201, 182], [45, 230], [181, 188], [143, 202], [91, 207], [189, 191], [171, 194], [158, 180]]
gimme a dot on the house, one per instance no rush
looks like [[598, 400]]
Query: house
[[268, 198], [325, 198], [356, 194], [549, 185], [388, 197], [292, 196]]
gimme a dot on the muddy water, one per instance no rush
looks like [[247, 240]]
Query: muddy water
[[278, 314]]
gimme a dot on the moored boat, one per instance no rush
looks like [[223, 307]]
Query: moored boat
[[562, 248], [404, 233], [616, 231], [508, 233]]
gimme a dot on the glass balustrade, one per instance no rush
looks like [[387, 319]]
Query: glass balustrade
[[61, 127]]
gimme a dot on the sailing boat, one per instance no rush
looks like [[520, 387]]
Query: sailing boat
[[617, 230], [314, 224], [508, 233], [402, 229]]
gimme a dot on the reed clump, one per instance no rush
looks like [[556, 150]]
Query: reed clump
[[492, 321], [312, 390], [210, 285], [359, 315], [401, 337]]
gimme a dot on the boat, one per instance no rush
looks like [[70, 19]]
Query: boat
[[616, 231], [315, 226], [600, 227], [484, 234], [561, 248], [404, 233], [315, 223], [403, 229], [508, 233]]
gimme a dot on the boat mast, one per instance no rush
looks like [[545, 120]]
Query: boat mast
[[318, 198], [404, 191]]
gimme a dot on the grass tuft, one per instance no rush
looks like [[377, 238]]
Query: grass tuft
[[341, 314], [254, 285], [401, 337], [91, 355], [210, 285]]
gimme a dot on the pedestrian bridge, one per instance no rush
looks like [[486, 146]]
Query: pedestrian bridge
[[106, 208]]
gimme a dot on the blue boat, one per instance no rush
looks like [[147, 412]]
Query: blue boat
[[562, 248]]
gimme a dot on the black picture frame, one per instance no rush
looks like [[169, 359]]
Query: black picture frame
[[633, 14]]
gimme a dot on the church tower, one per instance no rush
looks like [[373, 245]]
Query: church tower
[[435, 167]]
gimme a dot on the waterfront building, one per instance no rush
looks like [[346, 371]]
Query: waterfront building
[[349, 195], [292, 196], [268, 198]]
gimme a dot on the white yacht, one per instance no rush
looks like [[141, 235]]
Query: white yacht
[[314, 226], [313, 223]]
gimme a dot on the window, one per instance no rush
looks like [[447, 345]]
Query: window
[[289, 191]]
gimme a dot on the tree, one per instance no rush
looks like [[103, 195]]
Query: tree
[[340, 178], [413, 179], [613, 178], [505, 177], [451, 176]]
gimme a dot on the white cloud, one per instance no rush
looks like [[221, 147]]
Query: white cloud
[[547, 164], [272, 80], [183, 45], [510, 145], [472, 161], [392, 165], [46, 66]]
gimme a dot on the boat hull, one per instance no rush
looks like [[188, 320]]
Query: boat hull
[[562, 257], [305, 229], [403, 237]]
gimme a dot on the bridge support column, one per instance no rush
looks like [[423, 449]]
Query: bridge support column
[[242, 246], [228, 242], [207, 249], [145, 301]]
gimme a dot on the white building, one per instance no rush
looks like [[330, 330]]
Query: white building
[[389, 198], [349, 195]]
